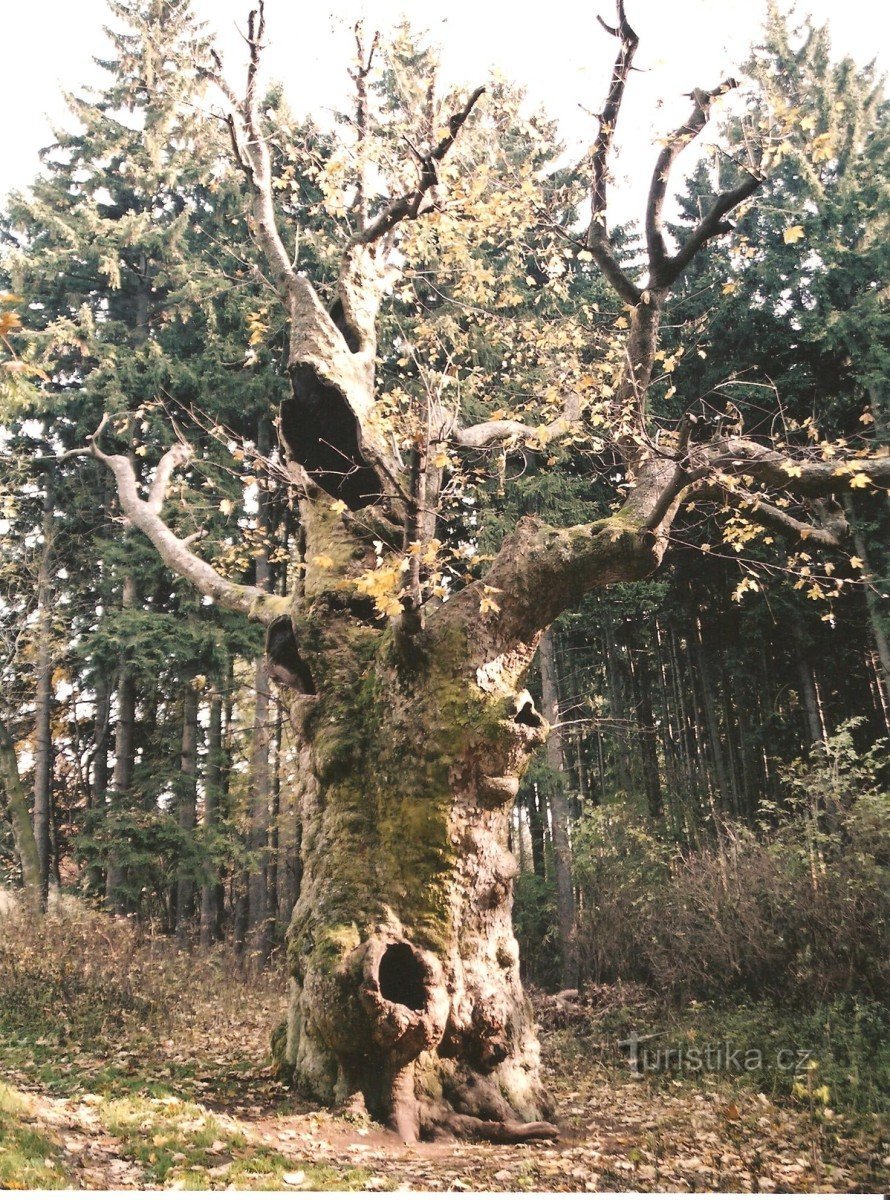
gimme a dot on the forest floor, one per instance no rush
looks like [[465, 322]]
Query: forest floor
[[203, 1108]]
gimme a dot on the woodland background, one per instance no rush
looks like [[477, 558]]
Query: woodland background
[[707, 825]]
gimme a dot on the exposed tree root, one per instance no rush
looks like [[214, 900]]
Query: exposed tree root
[[505, 1132]]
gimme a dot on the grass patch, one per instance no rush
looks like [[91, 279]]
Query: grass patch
[[28, 1159], [167, 1136], [833, 1055], [264, 1170], [181, 1144]]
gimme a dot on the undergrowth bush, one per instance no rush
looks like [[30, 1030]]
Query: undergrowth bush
[[78, 975], [795, 909]]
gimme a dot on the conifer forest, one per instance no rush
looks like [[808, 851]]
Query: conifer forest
[[444, 627]]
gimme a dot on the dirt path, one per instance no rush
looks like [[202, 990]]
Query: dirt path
[[189, 1108], [617, 1136]]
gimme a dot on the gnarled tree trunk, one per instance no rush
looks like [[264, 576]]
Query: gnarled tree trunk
[[405, 969], [412, 721]]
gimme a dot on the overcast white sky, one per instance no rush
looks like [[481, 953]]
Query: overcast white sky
[[556, 50]]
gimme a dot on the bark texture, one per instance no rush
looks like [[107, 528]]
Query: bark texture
[[405, 970], [413, 730]]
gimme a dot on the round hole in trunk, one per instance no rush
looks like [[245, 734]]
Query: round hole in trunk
[[402, 977]]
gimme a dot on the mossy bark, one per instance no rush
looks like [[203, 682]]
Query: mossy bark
[[405, 976]]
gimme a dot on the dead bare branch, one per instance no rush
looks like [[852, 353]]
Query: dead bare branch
[[497, 433], [598, 233], [144, 515], [409, 207], [251, 152], [795, 475], [663, 268]]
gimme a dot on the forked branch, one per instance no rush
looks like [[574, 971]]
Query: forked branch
[[144, 515], [663, 268], [252, 155], [410, 205], [778, 520], [598, 233]]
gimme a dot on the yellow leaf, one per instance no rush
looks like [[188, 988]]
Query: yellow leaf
[[487, 602], [860, 480], [338, 506], [388, 606], [822, 148], [323, 561], [795, 470], [792, 234], [857, 562], [730, 287]]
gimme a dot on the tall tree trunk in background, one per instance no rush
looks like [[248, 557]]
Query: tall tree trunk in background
[[43, 747], [187, 799], [875, 616], [213, 777], [709, 706], [534, 805], [257, 883], [259, 916], [559, 814], [124, 760], [647, 731], [125, 727], [20, 815], [616, 707], [101, 727], [808, 695], [732, 744]]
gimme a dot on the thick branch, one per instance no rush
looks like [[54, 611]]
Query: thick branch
[[144, 515], [712, 224], [539, 572], [410, 205], [798, 477], [497, 433], [761, 512]]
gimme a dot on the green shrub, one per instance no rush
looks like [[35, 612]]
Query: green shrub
[[795, 909]]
